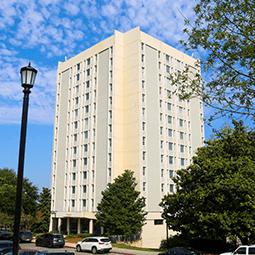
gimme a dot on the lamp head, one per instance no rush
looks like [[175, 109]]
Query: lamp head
[[28, 74]]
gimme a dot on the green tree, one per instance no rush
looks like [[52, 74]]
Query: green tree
[[121, 208], [44, 205], [215, 196], [8, 184], [224, 31]]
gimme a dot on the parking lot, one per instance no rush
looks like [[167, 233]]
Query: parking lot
[[114, 250]]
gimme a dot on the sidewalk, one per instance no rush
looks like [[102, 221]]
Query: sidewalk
[[120, 250]]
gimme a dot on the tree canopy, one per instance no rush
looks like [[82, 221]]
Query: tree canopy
[[224, 31], [8, 184], [121, 208], [215, 196]]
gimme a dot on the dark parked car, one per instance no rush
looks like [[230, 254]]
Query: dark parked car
[[5, 235], [26, 236], [55, 253], [181, 251], [50, 240], [5, 250], [25, 252], [6, 243]]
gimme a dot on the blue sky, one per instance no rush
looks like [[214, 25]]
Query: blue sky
[[44, 32]]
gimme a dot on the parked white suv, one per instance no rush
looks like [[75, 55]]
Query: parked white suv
[[244, 250], [94, 244]]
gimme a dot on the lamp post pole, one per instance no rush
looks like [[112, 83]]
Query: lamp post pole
[[28, 75]]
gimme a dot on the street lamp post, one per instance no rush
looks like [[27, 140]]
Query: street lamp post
[[28, 75]]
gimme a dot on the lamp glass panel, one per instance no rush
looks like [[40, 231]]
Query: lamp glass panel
[[29, 77]]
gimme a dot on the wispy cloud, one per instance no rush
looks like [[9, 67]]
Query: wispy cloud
[[45, 31]]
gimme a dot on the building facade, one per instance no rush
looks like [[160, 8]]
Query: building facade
[[113, 112]]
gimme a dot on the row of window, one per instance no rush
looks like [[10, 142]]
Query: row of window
[[171, 187]]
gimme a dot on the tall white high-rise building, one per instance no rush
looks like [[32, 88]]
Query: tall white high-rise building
[[113, 112]]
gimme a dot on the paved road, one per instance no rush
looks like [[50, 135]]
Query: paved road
[[71, 247]]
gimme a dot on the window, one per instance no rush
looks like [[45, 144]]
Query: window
[[75, 124], [77, 89], [159, 78], [78, 67], [143, 140], [178, 64], [111, 49], [76, 100], [110, 143], [170, 132], [110, 128], [143, 71], [160, 90], [86, 134], [162, 173], [84, 189], [78, 77], [111, 74], [74, 176], [171, 173], [171, 160], [180, 110], [73, 189], [84, 202], [168, 106], [144, 170], [169, 118], [88, 61], [142, 58], [158, 222], [86, 108], [171, 188], [161, 117], [142, 46], [182, 161], [181, 122], [109, 157], [110, 172], [162, 158], [168, 69], [160, 103], [143, 98], [161, 144], [110, 87], [170, 146], [84, 177], [158, 54], [182, 148], [74, 150], [110, 114], [144, 186], [87, 96], [144, 155], [143, 112], [110, 100], [162, 187], [88, 72], [167, 58], [143, 126], [92, 188], [161, 131], [74, 163], [86, 121], [75, 137], [111, 62], [85, 161], [73, 203], [143, 83], [159, 65], [76, 112], [168, 93], [181, 135], [87, 84]]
